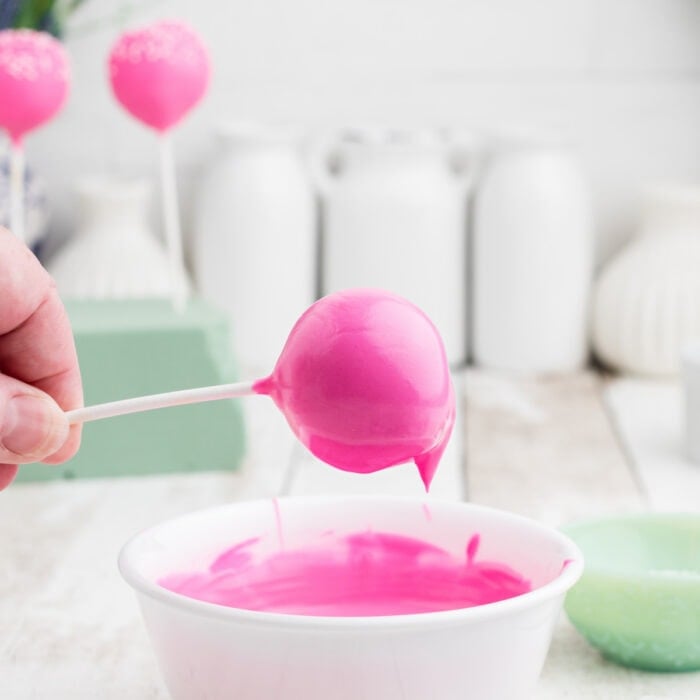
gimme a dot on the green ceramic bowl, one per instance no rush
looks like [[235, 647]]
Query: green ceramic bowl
[[638, 600]]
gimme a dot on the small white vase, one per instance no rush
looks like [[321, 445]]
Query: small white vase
[[647, 299], [394, 217], [113, 254], [254, 240], [532, 252]]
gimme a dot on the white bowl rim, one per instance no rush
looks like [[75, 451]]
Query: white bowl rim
[[569, 575]]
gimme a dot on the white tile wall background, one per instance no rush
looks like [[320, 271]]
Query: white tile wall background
[[620, 79]]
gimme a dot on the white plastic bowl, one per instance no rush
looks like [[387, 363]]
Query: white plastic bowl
[[489, 652]]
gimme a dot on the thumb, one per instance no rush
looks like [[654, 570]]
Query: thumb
[[32, 426]]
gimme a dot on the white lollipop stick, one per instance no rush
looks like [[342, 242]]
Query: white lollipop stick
[[171, 217], [155, 401], [17, 190]]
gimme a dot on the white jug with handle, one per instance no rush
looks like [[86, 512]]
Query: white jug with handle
[[394, 217]]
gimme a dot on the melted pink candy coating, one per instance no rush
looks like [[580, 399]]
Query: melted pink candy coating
[[34, 80], [159, 73], [362, 574], [363, 382]]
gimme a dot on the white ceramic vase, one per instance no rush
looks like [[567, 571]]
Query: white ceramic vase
[[255, 239], [647, 299], [394, 217], [113, 254], [532, 253]]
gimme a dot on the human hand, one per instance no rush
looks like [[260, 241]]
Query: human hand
[[39, 374]]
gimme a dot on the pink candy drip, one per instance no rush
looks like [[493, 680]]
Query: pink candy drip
[[361, 574]]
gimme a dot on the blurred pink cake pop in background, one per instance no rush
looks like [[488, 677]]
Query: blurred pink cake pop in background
[[364, 383], [159, 72], [34, 80]]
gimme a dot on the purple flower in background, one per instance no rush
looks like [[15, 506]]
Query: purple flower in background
[[9, 10], [43, 15]]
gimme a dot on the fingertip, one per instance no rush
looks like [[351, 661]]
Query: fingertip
[[69, 448], [33, 425]]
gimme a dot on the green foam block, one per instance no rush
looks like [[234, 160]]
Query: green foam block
[[137, 347]]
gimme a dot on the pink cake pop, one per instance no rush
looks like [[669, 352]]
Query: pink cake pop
[[159, 72], [34, 80], [363, 382]]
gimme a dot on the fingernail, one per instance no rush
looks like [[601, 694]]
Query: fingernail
[[33, 427]]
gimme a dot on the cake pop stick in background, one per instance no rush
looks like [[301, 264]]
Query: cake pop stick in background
[[34, 83], [362, 380], [158, 74]]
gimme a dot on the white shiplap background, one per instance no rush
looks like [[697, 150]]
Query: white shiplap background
[[620, 79]]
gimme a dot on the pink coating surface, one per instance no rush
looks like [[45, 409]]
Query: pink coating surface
[[34, 80], [159, 72], [361, 574], [364, 383]]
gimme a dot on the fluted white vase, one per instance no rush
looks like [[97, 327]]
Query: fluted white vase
[[647, 299], [114, 254]]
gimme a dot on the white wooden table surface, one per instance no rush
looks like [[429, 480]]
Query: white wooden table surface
[[554, 449]]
